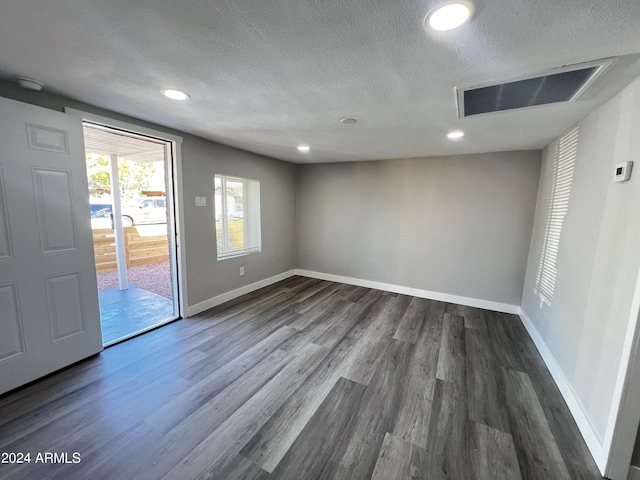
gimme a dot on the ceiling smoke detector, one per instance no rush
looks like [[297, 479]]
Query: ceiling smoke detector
[[30, 83]]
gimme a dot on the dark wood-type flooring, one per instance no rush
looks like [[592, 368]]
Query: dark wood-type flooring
[[301, 380]]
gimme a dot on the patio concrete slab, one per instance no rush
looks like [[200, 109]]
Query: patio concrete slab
[[125, 312]]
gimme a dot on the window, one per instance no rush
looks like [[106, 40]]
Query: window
[[237, 207], [563, 154]]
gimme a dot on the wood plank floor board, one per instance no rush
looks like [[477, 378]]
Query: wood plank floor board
[[411, 322], [358, 312], [311, 290], [235, 311], [322, 310], [106, 367], [327, 329], [241, 468], [356, 455], [294, 281], [319, 304], [268, 446], [376, 338], [213, 454], [129, 448], [369, 384], [324, 430], [493, 455], [354, 294], [506, 349], [61, 410], [224, 348], [451, 360], [240, 304], [199, 425], [577, 457], [538, 453], [485, 383], [327, 292], [433, 321], [110, 416], [242, 321], [314, 324], [519, 350], [400, 307], [272, 441], [448, 455], [399, 460], [474, 318], [198, 394], [414, 409]]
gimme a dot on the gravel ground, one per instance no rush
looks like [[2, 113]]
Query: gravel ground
[[155, 278]]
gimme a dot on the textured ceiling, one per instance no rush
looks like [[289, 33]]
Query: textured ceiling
[[266, 75]]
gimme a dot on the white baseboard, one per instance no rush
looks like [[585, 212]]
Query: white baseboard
[[414, 292], [590, 437], [225, 297], [634, 473]]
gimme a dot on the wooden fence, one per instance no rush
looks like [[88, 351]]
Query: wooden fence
[[139, 249]]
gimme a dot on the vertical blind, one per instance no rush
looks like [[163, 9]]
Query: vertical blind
[[563, 154]]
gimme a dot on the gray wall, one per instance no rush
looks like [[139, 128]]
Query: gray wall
[[206, 277], [598, 259], [457, 225]]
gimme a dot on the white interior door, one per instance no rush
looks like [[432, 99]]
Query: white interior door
[[49, 313]]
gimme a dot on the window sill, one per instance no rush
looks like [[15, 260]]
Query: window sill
[[236, 254]]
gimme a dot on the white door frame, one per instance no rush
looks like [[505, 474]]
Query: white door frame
[[624, 416], [174, 194]]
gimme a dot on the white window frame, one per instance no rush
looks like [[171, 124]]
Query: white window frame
[[250, 216]]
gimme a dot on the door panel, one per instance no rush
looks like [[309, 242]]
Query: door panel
[[11, 343], [65, 306], [54, 206], [5, 241], [49, 314], [47, 138]]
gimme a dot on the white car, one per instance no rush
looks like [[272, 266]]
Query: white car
[[145, 210]]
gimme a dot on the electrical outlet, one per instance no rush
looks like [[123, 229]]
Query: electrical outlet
[[241, 271]]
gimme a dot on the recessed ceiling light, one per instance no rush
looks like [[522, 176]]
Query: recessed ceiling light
[[304, 148], [175, 94], [348, 121], [449, 15], [455, 134]]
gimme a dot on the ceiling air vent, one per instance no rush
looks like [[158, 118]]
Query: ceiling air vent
[[563, 86]]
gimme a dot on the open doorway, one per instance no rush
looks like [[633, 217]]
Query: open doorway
[[134, 235]]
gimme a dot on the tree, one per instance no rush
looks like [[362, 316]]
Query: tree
[[134, 176]]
